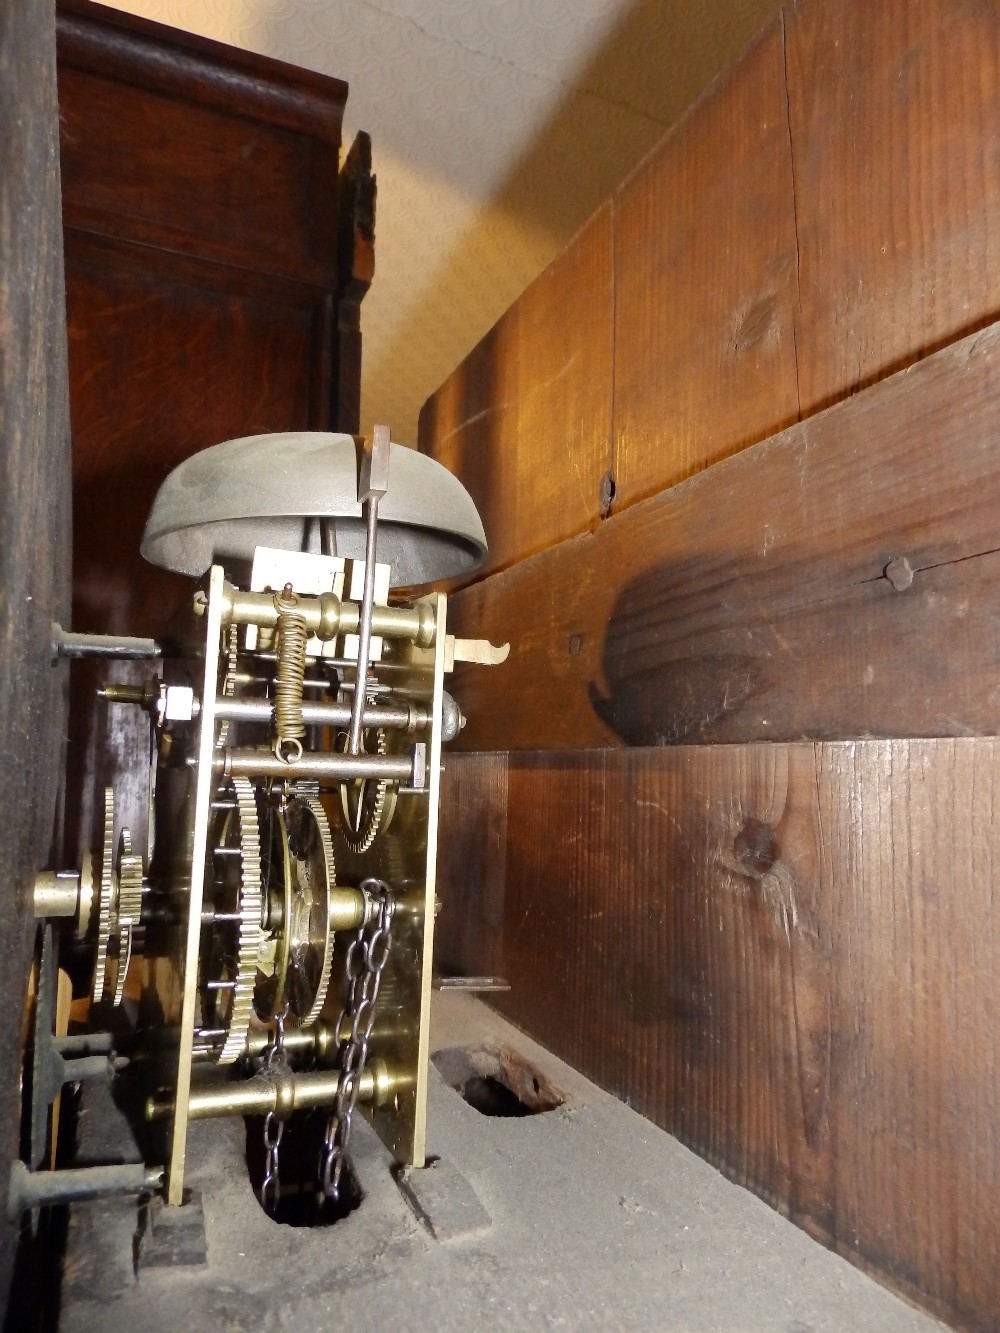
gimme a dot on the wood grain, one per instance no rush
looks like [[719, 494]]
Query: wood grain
[[166, 358], [823, 217], [786, 956], [525, 420], [34, 518], [706, 283], [468, 932], [170, 62], [264, 219], [183, 144], [835, 581], [897, 183]]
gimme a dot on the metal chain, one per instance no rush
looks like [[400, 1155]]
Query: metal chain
[[366, 959], [274, 1127]]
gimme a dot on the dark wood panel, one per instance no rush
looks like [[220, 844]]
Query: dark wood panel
[[706, 283], [356, 268], [786, 956], [203, 365], [165, 359], [834, 581], [34, 518], [129, 49], [525, 420], [183, 176], [897, 183]]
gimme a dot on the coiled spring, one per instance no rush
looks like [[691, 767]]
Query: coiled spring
[[291, 650]]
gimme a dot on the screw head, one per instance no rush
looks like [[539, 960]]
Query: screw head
[[899, 572]]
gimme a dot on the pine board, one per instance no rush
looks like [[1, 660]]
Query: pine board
[[786, 955], [837, 580]]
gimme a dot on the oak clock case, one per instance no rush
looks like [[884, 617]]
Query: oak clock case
[[269, 950]]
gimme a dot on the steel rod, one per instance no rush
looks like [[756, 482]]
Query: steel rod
[[365, 627], [38, 1189], [324, 715], [123, 647]]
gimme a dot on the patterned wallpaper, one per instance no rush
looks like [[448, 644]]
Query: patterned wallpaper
[[497, 127]]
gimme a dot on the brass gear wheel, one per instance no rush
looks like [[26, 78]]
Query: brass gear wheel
[[230, 648], [119, 906], [128, 870], [107, 902], [367, 804], [86, 896], [308, 927], [276, 876], [231, 951]]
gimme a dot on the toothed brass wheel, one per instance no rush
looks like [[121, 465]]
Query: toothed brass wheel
[[367, 804], [232, 941], [107, 900], [119, 906], [230, 649], [276, 881], [128, 871], [309, 933]]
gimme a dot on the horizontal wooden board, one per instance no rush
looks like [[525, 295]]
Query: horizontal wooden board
[[161, 59], [706, 283], [784, 955], [525, 420], [837, 580], [252, 194]]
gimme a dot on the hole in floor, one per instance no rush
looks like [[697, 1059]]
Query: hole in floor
[[491, 1097], [299, 1155], [496, 1081]]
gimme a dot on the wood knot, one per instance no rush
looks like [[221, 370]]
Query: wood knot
[[756, 324], [756, 848], [606, 493]]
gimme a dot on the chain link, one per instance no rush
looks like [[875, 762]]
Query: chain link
[[274, 1126], [366, 959]]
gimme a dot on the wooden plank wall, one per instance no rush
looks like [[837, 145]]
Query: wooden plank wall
[[526, 420], [825, 216], [786, 955], [781, 947], [862, 540]]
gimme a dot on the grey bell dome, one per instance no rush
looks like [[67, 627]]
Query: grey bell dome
[[283, 490]]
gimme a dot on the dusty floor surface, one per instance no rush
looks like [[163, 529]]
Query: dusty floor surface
[[594, 1219]]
